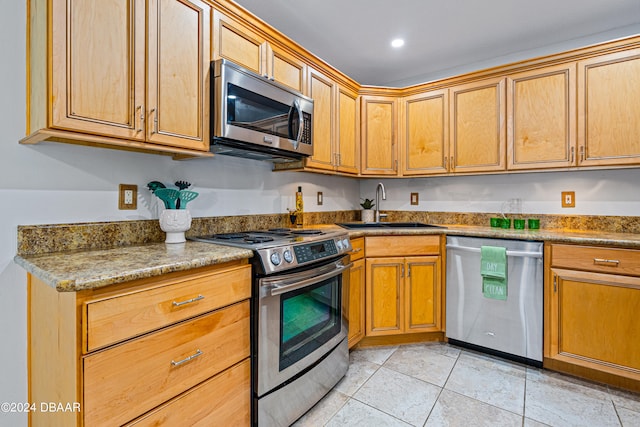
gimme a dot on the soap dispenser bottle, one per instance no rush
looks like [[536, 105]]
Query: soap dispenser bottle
[[299, 208]]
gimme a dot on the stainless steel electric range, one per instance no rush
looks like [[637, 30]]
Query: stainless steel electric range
[[299, 345]]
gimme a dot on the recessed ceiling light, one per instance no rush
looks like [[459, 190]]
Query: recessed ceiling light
[[397, 43]]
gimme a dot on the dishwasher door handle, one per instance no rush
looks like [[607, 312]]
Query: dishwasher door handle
[[521, 254]]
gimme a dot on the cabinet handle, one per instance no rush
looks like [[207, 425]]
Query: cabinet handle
[[555, 283], [187, 359], [189, 301], [446, 161], [356, 250], [408, 271], [581, 153], [451, 164], [402, 271], [572, 154], [339, 159], [141, 128], [613, 262], [155, 120]]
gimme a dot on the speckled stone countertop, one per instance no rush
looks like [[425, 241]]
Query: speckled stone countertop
[[73, 257], [625, 240], [91, 269]]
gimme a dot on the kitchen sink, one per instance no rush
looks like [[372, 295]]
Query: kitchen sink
[[377, 225]]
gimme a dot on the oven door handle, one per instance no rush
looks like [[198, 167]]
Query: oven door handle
[[279, 287]]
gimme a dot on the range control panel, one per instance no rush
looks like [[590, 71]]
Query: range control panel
[[290, 256]]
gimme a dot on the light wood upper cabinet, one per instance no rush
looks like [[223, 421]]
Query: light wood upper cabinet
[[477, 126], [254, 52], [541, 118], [322, 90], [608, 109], [378, 137], [347, 132], [124, 74], [178, 73], [425, 133], [98, 68]]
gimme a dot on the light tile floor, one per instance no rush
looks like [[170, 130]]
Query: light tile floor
[[435, 384]]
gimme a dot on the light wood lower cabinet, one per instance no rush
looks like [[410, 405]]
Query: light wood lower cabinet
[[182, 355], [356, 293], [591, 313], [403, 286]]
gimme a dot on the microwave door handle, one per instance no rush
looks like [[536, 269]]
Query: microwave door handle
[[295, 107], [281, 287]]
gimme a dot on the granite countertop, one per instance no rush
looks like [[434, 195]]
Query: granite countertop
[[76, 270], [626, 240], [91, 269]]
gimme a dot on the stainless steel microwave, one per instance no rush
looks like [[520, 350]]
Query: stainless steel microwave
[[257, 118]]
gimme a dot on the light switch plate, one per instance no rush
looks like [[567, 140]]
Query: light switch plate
[[414, 198], [319, 199]]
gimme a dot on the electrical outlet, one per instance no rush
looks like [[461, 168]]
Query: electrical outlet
[[319, 199], [128, 199], [568, 199], [414, 198]]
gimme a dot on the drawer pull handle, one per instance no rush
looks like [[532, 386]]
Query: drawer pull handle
[[188, 359], [615, 262], [356, 250], [189, 301]]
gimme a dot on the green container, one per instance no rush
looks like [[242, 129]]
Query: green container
[[518, 224], [534, 224], [496, 222], [506, 223]]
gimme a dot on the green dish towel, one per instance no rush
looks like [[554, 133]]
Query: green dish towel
[[493, 268]]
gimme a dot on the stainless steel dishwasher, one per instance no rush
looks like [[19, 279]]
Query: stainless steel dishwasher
[[511, 328]]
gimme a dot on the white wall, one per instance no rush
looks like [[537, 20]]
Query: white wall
[[601, 192], [56, 183]]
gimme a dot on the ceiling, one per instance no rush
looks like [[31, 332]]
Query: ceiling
[[442, 38]]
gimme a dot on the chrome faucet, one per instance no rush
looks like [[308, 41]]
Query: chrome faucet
[[377, 214]]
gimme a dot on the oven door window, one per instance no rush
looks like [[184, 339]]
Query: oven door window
[[250, 110], [309, 318]]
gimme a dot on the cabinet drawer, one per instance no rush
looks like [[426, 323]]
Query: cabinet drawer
[[127, 380], [380, 246], [358, 249], [116, 318], [224, 400], [591, 258]]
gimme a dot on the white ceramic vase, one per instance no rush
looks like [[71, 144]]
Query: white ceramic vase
[[175, 222], [367, 215]]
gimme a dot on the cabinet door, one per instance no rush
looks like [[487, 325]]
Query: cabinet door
[[321, 89], [425, 126], [422, 294], [237, 43], [379, 149], [356, 303], [347, 134], [285, 69], [98, 67], [384, 296], [477, 126], [178, 81], [608, 109], [592, 319], [541, 117]]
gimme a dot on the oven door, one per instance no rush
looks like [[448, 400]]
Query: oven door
[[300, 320]]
